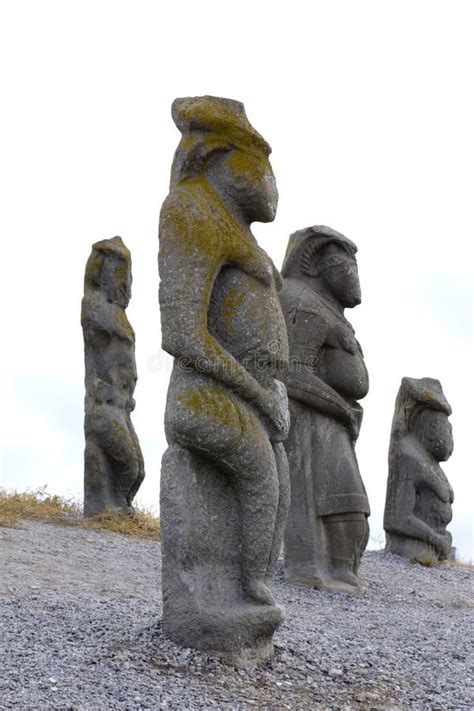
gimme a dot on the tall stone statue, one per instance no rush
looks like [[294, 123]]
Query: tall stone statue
[[113, 467], [327, 529], [224, 479], [419, 497]]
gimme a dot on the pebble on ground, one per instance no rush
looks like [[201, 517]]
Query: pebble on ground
[[80, 629]]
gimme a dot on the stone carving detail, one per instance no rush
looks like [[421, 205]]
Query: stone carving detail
[[327, 529], [113, 467], [224, 480], [419, 497]]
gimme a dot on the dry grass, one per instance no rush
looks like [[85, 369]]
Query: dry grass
[[429, 561], [33, 505], [459, 564], [432, 561], [42, 506], [139, 523]]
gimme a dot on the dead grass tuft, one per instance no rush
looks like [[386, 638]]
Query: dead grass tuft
[[459, 564], [42, 506], [139, 523], [37, 504], [428, 561]]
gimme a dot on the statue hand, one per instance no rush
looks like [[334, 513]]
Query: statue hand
[[277, 412], [355, 420], [442, 543]]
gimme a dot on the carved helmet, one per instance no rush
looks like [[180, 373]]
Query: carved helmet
[[209, 124], [416, 394], [102, 250], [304, 245]]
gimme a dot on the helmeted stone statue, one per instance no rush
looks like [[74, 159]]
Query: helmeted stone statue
[[113, 466], [224, 480], [327, 528], [419, 497]]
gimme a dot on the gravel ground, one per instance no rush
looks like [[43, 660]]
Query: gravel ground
[[80, 629]]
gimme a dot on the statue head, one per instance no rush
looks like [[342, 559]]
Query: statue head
[[422, 410], [109, 270], [434, 431], [328, 258], [220, 146]]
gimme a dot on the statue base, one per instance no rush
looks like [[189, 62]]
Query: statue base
[[102, 490], [204, 603], [414, 550], [352, 585]]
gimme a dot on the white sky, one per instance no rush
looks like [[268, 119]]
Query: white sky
[[368, 108]]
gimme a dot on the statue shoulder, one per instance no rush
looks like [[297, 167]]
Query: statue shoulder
[[191, 226], [301, 311], [99, 319], [415, 463]]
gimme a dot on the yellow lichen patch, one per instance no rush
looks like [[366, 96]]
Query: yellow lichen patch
[[93, 267], [232, 303], [125, 327], [196, 225], [212, 404], [122, 270], [250, 165], [210, 117]]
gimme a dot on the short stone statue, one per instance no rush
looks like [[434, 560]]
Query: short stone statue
[[419, 497], [224, 479], [327, 528], [113, 466]]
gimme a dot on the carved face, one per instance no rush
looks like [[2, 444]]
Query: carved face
[[116, 280], [248, 180], [435, 432], [340, 276]]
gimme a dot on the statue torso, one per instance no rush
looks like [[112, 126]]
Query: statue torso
[[337, 355], [246, 318], [109, 345]]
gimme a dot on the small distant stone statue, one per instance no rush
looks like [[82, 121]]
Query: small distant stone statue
[[113, 467], [327, 529], [419, 497], [224, 480]]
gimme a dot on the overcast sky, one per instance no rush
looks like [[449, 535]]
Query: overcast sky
[[368, 108]]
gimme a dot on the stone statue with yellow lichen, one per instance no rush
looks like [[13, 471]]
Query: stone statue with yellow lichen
[[224, 480], [114, 466]]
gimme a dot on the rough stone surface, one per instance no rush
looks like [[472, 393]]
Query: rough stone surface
[[327, 529], [224, 480], [419, 496], [81, 631], [113, 462]]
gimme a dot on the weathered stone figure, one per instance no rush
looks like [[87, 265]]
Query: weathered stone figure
[[113, 468], [419, 497], [224, 480], [327, 529]]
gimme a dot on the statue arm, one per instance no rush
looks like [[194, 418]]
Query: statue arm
[[437, 482], [400, 519], [307, 334], [108, 426], [99, 316]]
